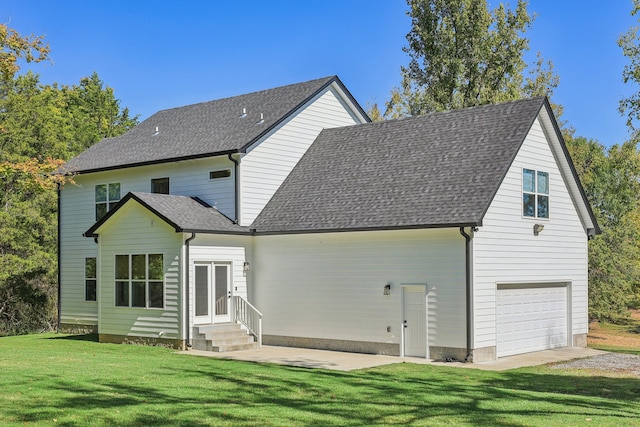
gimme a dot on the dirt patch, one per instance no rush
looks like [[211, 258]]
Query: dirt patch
[[616, 335]]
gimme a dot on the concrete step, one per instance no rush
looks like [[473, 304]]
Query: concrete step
[[234, 347], [222, 337]]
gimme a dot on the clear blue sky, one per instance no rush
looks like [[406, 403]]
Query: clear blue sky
[[162, 54]]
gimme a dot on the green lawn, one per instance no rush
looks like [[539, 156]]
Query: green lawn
[[71, 381]]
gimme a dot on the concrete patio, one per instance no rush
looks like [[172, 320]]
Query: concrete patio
[[339, 361]]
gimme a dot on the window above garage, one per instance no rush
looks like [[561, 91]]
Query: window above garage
[[535, 193]]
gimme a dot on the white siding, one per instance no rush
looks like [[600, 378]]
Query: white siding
[[267, 164], [506, 251], [234, 250], [186, 178], [134, 230], [331, 285]]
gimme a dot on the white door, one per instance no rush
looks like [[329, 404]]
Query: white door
[[415, 321], [211, 293], [530, 318]]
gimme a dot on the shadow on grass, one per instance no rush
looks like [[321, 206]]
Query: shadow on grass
[[192, 391], [83, 337]]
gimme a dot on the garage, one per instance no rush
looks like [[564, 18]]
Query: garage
[[531, 317]]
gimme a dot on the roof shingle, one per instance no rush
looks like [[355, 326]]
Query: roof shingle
[[184, 214], [436, 170], [198, 130]]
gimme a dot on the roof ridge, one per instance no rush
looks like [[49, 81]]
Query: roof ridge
[[246, 94]]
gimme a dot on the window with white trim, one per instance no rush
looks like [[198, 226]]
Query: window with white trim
[[90, 279], [107, 195], [535, 193], [139, 281]]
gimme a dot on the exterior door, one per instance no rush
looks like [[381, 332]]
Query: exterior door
[[211, 293], [222, 293], [414, 321]]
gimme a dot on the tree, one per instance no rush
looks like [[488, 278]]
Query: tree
[[28, 245], [14, 46], [41, 126], [611, 181], [96, 113], [630, 44], [462, 54]]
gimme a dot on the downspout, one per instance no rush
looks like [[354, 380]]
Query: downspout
[[237, 185], [186, 289], [467, 250], [59, 303]]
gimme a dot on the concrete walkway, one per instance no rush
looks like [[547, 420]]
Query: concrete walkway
[[338, 361]]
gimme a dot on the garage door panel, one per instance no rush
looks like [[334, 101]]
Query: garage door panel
[[530, 318]]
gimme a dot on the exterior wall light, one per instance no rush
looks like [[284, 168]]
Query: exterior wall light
[[537, 228], [246, 266], [387, 289]]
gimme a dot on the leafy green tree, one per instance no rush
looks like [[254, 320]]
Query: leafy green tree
[[630, 45], [96, 113], [28, 245], [611, 181], [41, 126], [462, 54], [14, 47]]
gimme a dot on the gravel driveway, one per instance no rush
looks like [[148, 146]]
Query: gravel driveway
[[611, 362]]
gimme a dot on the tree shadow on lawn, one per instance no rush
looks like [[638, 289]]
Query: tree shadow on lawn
[[387, 395], [246, 393]]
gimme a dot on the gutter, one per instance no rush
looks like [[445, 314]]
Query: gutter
[[186, 290], [467, 250], [237, 185], [59, 303]]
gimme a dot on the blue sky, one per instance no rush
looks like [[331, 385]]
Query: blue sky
[[162, 54]]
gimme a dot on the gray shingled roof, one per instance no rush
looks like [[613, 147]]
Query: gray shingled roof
[[184, 214], [436, 170], [199, 130]]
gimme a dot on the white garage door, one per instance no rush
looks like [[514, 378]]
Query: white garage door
[[530, 318]]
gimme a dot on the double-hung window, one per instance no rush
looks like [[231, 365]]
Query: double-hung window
[[107, 195], [90, 279], [535, 193], [139, 281]]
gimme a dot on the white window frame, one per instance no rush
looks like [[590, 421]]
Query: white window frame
[[130, 281], [87, 278], [109, 202], [535, 193]]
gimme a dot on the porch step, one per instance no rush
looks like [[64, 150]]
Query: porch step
[[222, 337]]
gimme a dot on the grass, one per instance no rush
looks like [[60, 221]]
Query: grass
[[73, 381], [620, 338]]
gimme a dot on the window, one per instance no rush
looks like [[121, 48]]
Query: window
[[139, 281], [535, 193], [90, 279], [160, 185], [223, 173], [107, 195]]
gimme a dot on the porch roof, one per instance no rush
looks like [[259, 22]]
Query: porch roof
[[184, 214]]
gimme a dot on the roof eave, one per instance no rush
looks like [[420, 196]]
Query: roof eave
[[373, 228], [153, 162]]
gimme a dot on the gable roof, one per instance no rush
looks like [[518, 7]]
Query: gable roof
[[204, 129], [437, 170], [184, 214]]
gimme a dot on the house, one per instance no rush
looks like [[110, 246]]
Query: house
[[460, 234]]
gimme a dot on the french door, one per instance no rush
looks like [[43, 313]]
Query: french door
[[212, 292]]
